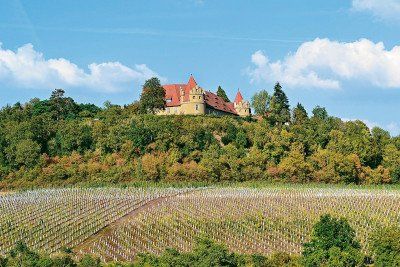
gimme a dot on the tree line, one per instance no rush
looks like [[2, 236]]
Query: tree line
[[333, 243], [56, 142]]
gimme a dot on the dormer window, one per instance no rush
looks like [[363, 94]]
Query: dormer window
[[168, 100]]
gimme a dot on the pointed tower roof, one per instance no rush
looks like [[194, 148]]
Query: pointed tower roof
[[192, 83], [239, 97]]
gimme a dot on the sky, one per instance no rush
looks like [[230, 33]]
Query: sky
[[343, 55]]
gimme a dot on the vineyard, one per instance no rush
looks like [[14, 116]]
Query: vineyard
[[47, 220], [117, 224]]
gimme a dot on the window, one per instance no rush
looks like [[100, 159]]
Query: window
[[167, 109], [199, 96], [168, 100], [194, 97], [197, 107]]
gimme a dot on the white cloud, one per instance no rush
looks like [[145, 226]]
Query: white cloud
[[383, 9], [394, 128], [323, 63], [28, 68]]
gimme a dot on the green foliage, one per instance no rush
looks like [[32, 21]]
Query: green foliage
[[221, 93], [320, 113], [260, 102], [391, 160], [208, 253], [89, 261], [332, 243], [279, 110], [386, 246], [58, 142], [71, 136], [27, 153], [152, 97], [299, 114]]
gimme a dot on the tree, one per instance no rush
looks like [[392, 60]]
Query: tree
[[353, 138], [152, 97], [230, 134], [221, 93], [241, 139], [380, 138], [62, 107], [140, 137], [89, 261], [71, 136], [391, 160], [208, 253], [299, 114], [320, 113], [260, 102], [386, 246], [279, 110], [332, 243], [294, 167], [27, 153], [21, 256]]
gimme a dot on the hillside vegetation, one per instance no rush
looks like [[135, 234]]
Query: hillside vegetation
[[57, 142]]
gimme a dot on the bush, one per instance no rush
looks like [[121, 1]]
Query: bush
[[386, 246], [332, 243]]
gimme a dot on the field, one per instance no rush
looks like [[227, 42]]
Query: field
[[116, 224]]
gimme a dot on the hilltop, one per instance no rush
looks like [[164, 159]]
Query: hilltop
[[57, 142]]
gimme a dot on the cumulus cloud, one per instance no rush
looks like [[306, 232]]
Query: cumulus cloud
[[383, 9], [323, 63], [28, 68]]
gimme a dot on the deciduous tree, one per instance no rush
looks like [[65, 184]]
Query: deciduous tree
[[152, 97], [333, 243], [260, 102]]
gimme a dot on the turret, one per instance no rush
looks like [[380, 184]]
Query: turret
[[241, 106], [196, 100], [192, 98]]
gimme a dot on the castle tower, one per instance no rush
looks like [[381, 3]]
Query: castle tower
[[193, 103], [241, 106], [196, 100]]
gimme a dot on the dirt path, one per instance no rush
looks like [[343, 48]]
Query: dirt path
[[110, 227]]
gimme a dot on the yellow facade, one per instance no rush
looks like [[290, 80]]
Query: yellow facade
[[195, 104]]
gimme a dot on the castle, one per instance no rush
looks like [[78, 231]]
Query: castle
[[191, 99]]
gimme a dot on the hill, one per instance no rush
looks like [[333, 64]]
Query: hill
[[57, 142]]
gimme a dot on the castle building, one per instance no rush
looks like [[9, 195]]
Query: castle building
[[191, 99]]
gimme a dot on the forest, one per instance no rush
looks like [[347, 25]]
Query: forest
[[59, 142]]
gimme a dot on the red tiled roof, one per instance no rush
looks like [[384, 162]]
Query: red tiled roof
[[238, 98], [218, 103], [192, 83], [172, 96], [173, 92]]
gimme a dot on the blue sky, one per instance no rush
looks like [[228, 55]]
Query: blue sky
[[343, 55]]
